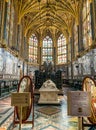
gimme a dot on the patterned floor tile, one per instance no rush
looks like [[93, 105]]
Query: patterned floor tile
[[46, 117], [4, 110], [49, 110], [50, 127]]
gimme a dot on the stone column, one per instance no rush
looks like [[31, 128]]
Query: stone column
[[39, 52], [2, 9], [54, 51], [92, 12], [68, 56], [71, 42], [81, 47], [18, 38], [4, 18]]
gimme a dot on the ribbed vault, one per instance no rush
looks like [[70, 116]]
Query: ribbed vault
[[39, 16]]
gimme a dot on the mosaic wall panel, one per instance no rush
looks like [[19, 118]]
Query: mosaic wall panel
[[94, 60], [8, 64], [1, 60], [69, 70], [80, 65], [86, 65], [75, 70], [25, 69]]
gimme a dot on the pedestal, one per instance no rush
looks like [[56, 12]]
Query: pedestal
[[49, 97], [48, 93]]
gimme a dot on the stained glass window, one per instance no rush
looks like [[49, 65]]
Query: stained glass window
[[86, 28], [47, 49], [61, 49], [33, 44]]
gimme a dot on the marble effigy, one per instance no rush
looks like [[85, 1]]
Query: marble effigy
[[48, 93]]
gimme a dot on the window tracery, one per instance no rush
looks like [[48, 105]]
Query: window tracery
[[61, 49]]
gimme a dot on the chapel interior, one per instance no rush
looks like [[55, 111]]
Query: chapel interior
[[52, 40]]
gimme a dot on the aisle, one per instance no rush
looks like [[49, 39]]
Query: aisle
[[52, 117], [6, 113], [47, 117]]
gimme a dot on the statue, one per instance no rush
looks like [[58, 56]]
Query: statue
[[45, 65], [48, 68], [49, 84]]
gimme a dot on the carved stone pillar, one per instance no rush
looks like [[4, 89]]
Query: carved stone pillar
[[4, 18], [81, 48], [71, 43], [54, 51], [92, 12], [18, 38], [39, 53]]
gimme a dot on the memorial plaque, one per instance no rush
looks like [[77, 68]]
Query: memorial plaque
[[79, 103], [21, 99]]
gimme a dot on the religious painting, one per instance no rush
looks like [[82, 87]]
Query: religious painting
[[89, 85]]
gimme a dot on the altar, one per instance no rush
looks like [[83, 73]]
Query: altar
[[48, 93]]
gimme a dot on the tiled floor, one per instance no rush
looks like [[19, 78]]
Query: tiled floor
[[47, 117]]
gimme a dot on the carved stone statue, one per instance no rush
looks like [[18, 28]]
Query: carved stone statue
[[49, 84], [48, 67]]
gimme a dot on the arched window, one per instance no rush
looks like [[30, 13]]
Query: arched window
[[47, 48], [61, 49], [33, 43]]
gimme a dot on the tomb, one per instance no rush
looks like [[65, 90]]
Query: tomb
[[48, 93]]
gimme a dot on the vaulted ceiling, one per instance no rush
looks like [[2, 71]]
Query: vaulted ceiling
[[44, 16]]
